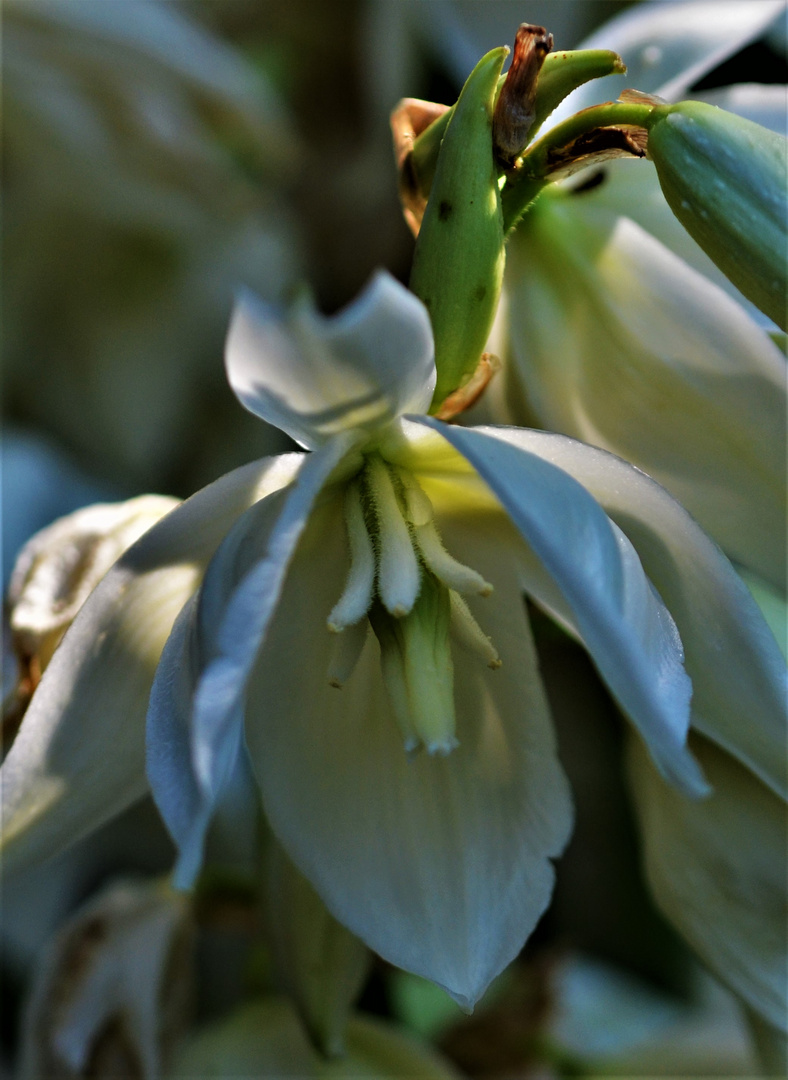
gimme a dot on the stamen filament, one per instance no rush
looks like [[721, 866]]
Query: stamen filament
[[467, 632], [417, 502], [348, 647], [356, 597], [399, 574], [444, 566]]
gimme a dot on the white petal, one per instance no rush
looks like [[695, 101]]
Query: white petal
[[440, 864], [764, 104], [718, 871], [669, 46], [622, 621], [186, 791], [631, 189], [314, 376], [634, 351], [737, 671], [196, 706], [79, 756]]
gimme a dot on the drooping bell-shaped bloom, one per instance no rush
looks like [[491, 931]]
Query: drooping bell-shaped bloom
[[351, 617], [620, 330]]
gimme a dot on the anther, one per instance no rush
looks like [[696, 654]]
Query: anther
[[467, 632], [356, 597], [444, 566], [399, 575]]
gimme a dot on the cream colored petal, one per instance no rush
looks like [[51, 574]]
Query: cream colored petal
[[194, 728], [442, 865], [668, 47], [596, 575], [314, 376], [79, 757], [738, 674], [718, 870], [618, 342]]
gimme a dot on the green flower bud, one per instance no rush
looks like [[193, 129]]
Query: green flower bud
[[725, 179], [419, 126], [459, 260]]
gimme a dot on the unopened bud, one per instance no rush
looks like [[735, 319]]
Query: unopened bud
[[725, 179], [459, 260]]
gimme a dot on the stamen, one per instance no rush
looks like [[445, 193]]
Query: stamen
[[399, 574], [417, 503], [348, 647], [429, 671], [356, 597], [392, 668], [467, 632], [444, 566]]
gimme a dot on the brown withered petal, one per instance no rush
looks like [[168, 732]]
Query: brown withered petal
[[409, 119], [514, 110], [470, 392], [110, 993], [596, 147], [54, 574]]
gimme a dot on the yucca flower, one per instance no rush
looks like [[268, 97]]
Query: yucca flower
[[351, 617]]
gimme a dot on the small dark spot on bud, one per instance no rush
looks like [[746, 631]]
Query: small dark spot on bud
[[480, 293], [445, 210]]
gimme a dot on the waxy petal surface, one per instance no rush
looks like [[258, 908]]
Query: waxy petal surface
[[717, 869], [314, 376], [636, 352], [440, 864], [79, 757], [196, 709], [737, 670], [669, 46], [623, 623]]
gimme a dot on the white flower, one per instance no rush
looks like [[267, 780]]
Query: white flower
[[623, 333], [439, 860]]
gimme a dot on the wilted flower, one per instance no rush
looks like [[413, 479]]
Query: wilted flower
[[110, 991], [439, 860]]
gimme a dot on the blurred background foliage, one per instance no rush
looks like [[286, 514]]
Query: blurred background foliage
[[157, 154]]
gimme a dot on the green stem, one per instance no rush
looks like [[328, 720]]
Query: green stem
[[534, 170]]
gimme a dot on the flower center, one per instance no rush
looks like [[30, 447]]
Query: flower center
[[405, 585]]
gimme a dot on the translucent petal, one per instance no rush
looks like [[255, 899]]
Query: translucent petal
[[196, 707], [737, 670], [78, 759], [622, 621], [186, 791], [718, 870], [440, 864], [313, 376], [636, 352], [669, 46]]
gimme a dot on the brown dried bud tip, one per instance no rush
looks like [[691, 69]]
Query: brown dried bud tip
[[514, 112]]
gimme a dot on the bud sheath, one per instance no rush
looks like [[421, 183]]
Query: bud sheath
[[725, 179], [459, 260]]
